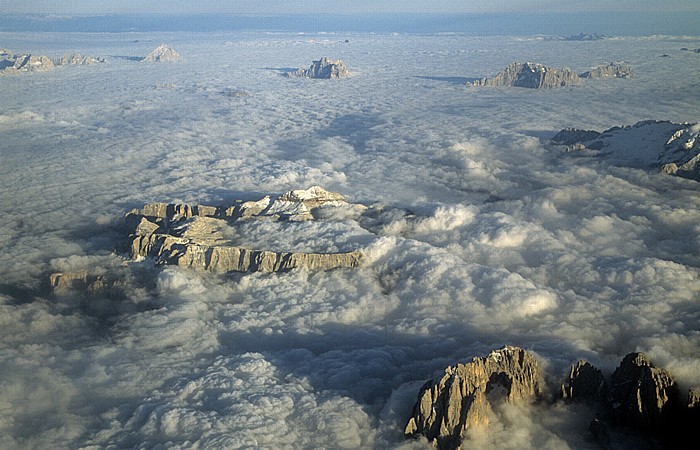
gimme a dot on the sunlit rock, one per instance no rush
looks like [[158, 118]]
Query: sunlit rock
[[461, 399], [611, 70], [14, 63], [85, 282], [162, 53], [323, 68], [667, 147], [201, 237], [530, 75]]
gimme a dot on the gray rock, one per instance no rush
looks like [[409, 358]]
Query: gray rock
[[585, 37], [570, 136], [611, 70], [530, 75], [199, 236], [585, 382], [642, 395], [461, 399], [162, 53], [323, 68], [76, 59]]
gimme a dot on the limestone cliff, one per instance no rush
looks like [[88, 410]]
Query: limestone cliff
[[200, 236], [530, 75], [461, 399]]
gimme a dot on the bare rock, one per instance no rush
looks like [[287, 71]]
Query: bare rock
[[461, 399], [76, 59], [85, 282], [323, 68], [162, 53], [642, 395], [201, 237], [611, 70], [585, 382], [530, 75]]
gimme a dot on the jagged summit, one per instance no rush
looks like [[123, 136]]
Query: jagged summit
[[530, 75], [323, 68], [162, 53]]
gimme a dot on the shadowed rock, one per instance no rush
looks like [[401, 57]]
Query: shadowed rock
[[585, 382], [461, 399], [323, 68], [530, 75], [643, 395]]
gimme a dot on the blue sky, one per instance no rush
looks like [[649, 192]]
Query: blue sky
[[341, 6]]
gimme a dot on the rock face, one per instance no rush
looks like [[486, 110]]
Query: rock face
[[13, 63], [585, 382], [611, 70], [162, 53], [461, 399], [668, 147], [83, 281], [76, 59], [639, 401], [323, 68], [585, 37], [200, 237], [642, 395], [530, 75]]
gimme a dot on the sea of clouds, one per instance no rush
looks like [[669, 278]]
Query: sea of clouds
[[484, 236]]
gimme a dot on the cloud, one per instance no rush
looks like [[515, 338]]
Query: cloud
[[480, 235]]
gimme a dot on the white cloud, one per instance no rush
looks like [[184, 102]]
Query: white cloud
[[486, 237]]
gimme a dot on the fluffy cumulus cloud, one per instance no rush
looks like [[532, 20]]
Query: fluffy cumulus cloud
[[478, 234]]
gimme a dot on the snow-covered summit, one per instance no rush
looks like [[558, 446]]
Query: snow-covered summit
[[672, 148], [162, 53]]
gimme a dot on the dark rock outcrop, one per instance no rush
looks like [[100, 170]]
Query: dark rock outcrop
[[461, 399], [585, 382], [642, 395], [530, 75], [323, 68]]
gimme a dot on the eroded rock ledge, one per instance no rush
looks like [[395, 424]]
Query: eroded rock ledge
[[200, 236], [638, 398]]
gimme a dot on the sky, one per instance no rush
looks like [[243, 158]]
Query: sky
[[340, 6]]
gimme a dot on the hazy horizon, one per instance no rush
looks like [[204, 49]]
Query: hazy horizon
[[616, 23]]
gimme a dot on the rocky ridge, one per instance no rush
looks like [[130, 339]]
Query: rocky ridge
[[11, 63], [639, 399], [198, 236], [323, 68], [610, 70], [461, 399], [530, 75], [671, 148]]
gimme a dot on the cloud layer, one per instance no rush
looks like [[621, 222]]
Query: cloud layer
[[483, 236]]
